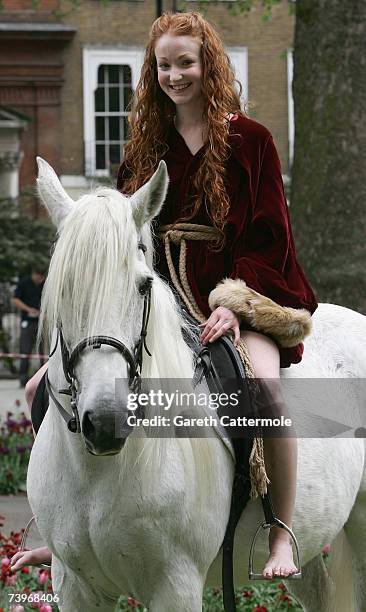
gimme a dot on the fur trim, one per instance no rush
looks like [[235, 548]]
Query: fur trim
[[287, 326]]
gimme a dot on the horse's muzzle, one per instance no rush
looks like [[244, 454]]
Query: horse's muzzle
[[104, 434]]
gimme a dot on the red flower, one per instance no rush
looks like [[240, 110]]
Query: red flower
[[5, 563], [259, 609], [282, 587], [247, 593], [11, 580], [284, 597], [25, 570], [132, 603]]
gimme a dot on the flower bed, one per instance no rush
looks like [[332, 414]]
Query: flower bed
[[16, 439], [29, 583]]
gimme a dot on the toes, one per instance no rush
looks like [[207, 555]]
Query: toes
[[267, 573]]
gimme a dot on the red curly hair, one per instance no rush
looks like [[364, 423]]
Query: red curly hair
[[153, 113]]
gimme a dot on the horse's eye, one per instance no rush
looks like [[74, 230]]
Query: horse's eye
[[145, 285]]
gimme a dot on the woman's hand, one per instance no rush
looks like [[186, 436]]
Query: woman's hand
[[37, 556], [219, 322]]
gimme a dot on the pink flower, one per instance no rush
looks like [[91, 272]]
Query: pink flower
[[17, 608], [43, 577], [37, 604], [11, 580], [326, 550], [45, 608], [5, 563]]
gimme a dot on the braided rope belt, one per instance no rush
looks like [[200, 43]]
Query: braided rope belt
[[178, 234]]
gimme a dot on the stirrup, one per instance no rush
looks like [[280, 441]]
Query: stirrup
[[24, 540], [276, 523]]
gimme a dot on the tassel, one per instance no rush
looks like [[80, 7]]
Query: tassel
[[257, 469]]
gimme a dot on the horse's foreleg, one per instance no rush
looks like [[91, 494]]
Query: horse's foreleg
[[178, 590], [77, 594]]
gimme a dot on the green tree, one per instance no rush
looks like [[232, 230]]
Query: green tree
[[328, 193], [24, 241]]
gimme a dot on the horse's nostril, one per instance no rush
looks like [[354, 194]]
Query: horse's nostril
[[88, 427]]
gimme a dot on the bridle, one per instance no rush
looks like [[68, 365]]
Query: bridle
[[69, 360]]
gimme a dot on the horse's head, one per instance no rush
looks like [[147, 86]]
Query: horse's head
[[97, 296]]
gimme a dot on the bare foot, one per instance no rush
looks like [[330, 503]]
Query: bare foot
[[280, 563], [38, 556]]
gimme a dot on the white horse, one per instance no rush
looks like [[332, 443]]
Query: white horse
[[147, 517]]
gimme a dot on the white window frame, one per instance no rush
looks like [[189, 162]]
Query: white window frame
[[239, 61], [93, 57], [290, 102]]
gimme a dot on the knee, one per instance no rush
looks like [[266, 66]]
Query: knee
[[30, 390], [32, 384], [264, 355]]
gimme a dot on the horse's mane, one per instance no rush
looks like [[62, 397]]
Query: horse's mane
[[96, 239], [93, 250]]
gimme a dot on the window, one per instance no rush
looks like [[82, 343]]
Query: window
[[110, 77], [111, 102]]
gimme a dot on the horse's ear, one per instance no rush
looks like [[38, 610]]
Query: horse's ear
[[52, 194], [148, 200]]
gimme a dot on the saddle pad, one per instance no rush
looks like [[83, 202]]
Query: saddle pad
[[39, 404], [219, 362]]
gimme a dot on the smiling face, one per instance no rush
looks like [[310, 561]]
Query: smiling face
[[180, 68]]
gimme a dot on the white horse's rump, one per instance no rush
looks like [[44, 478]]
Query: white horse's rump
[[149, 521]]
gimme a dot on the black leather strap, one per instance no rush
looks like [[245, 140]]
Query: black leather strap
[[69, 418]]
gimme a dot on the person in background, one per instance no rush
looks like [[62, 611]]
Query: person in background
[[27, 298]]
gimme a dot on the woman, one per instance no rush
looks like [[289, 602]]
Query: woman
[[224, 173]]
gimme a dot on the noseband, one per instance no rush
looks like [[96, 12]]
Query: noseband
[[69, 361]]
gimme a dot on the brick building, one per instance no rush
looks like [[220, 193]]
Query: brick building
[[68, 70]]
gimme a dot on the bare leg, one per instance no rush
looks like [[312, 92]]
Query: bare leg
[[32, 385], [280, 458], [31, 388]]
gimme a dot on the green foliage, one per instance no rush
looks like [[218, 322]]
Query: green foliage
[[23, 242], [264, 597], [243, 6], [16, 439]]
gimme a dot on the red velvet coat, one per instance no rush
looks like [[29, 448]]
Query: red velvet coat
[[259, 243]]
